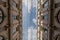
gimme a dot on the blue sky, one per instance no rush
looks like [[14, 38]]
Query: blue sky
[[29, 16]]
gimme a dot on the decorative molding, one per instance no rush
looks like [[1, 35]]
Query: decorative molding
[[57, 5], [57, 37], [58, 17], [1, 15]]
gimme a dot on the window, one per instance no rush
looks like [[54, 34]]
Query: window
[[45, 17], [45, 4], [14, 17]]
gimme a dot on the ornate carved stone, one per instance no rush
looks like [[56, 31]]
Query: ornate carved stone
[[58, 37], [1, 16], [58, 16]]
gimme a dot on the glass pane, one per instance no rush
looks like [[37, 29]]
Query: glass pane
[[29, 19]]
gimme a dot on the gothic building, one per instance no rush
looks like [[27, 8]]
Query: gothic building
[[49, 19], [10, 20]]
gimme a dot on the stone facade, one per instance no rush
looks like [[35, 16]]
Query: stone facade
[[44, 20], [50, 19], [55, 19], [10, 20], [4, 20]]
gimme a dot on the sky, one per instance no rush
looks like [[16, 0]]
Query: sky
[[29, 18]]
